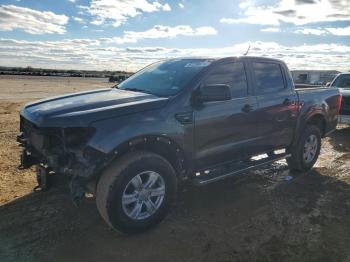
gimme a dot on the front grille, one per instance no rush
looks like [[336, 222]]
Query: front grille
[[33, 135], [45, 143], [26, 126]]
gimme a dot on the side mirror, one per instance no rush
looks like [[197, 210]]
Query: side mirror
[[212, 93], [328, 84]]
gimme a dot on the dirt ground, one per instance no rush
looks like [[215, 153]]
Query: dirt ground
[[266, 215]]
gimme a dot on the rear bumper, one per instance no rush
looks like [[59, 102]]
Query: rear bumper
[[344, 119]]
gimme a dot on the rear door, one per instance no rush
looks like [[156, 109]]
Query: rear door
[[225, 130], [277, 103]]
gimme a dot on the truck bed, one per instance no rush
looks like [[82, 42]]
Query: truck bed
[[320, 99]]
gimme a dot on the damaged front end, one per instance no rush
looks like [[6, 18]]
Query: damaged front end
[[63, 151]]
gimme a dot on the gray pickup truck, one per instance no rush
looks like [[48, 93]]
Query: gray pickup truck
[[342, 81], [194, 119]]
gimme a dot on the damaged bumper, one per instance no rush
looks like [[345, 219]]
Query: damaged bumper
[[63, 152]]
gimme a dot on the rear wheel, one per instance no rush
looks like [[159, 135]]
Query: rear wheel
[[136, 192], [305, 153]]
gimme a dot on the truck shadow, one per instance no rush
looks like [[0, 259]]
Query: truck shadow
[[340, 139], [259, 216]]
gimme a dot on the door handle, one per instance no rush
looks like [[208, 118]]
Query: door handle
[[247, 108]]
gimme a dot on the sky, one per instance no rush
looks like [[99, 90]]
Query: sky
[[130, 34]]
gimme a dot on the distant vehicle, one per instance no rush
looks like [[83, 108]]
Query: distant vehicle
[[200, 120], [342, 81], [117, 78]]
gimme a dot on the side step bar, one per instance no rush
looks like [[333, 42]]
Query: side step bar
[[221, 172]]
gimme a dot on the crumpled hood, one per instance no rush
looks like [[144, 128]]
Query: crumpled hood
[[83, 108]]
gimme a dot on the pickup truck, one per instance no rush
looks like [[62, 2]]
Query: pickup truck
[[194, 119], [342, 81]]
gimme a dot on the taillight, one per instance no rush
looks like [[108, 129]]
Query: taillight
[[339, 103]]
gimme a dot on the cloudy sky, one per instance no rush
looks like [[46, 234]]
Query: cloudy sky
[[128, 34]]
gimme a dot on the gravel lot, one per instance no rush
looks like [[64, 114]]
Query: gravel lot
[[259, 216]]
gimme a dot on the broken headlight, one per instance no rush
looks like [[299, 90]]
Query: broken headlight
[[77, 136]]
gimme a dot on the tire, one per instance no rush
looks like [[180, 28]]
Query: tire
[[305, 153], [121, 183]]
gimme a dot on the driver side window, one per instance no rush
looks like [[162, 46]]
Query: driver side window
[[231, 74]]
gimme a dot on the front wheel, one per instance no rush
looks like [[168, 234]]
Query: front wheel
[[305, 153], [136, 191]]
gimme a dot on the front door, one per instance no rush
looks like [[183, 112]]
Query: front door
[[225, 130]]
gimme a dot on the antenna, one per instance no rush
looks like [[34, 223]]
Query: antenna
[[246, 53]]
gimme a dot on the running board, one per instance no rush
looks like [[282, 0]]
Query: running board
[[208, 176]]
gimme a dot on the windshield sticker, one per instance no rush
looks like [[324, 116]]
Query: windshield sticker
[[198, 64]]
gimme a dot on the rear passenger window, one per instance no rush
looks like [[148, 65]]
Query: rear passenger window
[[268, 77], [233, 75]]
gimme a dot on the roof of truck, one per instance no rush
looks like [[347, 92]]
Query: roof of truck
[[234, 58]]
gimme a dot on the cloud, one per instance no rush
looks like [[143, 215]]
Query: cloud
[[117, 12], [78, 19], [345, 31], [271, 29], [297, 12], [181, 5], [336, 31], [311, 31], [254, 19], [306, 1], [100, 55], [160, 31], [31, 21], [72, 1], [166, 7]]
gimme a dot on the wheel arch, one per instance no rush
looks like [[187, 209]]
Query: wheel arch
[[158, 144], [318, 120]]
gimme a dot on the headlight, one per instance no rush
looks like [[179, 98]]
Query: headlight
[[77, 136]]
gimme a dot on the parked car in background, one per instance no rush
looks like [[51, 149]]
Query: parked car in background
[[342, 81], [200, 120]]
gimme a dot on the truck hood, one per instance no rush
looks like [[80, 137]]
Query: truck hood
[[83, 108]]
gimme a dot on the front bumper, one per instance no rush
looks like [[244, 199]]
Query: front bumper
[[49, 152], [79, 175], [53, 147], [344, 119]]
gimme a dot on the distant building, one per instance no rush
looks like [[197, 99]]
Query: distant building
[[317, 77]]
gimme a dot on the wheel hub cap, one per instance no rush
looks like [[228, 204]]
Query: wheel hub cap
[[310, 148], [143, 195]]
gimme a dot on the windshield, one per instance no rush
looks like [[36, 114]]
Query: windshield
[[342, 81], [165, 78]]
